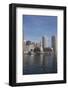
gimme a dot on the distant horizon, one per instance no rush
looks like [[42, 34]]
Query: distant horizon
[[35, 27]]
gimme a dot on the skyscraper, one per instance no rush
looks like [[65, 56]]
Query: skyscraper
[[54, 44], [44, 42]]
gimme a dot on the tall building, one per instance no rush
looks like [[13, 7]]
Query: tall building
[[44, 42], [41, 48], [54, 44]]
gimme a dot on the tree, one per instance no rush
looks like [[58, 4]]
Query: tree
[[36, 49]]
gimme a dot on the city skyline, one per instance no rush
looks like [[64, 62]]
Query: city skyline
[[46, 43], [32, 48], [35, 27]]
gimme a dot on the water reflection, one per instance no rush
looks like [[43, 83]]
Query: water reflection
[[39, 64]]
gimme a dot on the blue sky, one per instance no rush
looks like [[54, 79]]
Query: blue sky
[[37, 26]]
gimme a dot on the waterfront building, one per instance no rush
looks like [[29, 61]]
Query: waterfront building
[[54, 44], [41, 48], [44, 42], [28, 46], [31, 47], [38, 44]]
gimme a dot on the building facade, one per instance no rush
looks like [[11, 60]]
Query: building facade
[[54, 44], [44, 42]]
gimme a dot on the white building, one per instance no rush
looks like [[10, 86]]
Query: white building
[[31, 47]]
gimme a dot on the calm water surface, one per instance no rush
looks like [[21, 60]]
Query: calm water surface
[[39, 64]]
